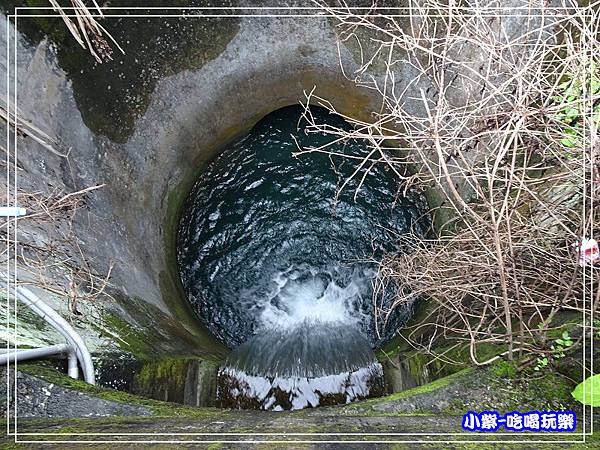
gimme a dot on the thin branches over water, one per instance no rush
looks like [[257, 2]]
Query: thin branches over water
[[495, 117]]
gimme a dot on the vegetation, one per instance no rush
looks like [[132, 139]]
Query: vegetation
[[558, 350], [588, 391], [572, 108], [505, 144]]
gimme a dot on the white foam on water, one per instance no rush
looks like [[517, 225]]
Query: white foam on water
[[309, 346], [254, 185], [298, 296], [300, 392]]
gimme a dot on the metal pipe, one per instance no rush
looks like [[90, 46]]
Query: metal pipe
[[72, 368], [10, 355], [64, 328], [33, 353]]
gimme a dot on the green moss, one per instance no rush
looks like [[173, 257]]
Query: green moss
[[27, 316], [399, 343], [158, 408], [171, 370], [430, 387], [49, 25], [33, 329], [504, 369], [69, 430], [532, 391], [424, 368], [456, 407], [419, 390], [165, 379], [516, 446], [155, 334], [35, 28], [139, 342], [564, 321], [552, 387]]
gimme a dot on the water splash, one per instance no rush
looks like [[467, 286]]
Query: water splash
[[280, 274], [302, 294], [307, 350]]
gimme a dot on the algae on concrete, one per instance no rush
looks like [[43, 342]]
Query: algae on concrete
[[113, 94]]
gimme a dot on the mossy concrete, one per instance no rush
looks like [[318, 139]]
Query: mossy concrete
[[497, 388], [186, 115], [156, 408], [148, 166], [188, 381], [406, 367], [367, 422]]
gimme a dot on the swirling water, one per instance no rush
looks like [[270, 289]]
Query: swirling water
[[279, 267]]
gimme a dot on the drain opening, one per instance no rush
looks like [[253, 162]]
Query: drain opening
[[280, 268]]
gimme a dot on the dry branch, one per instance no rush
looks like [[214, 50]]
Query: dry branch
[[488, 135]]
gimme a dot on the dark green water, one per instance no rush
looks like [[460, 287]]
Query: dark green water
[[281, 270], [262, 243]]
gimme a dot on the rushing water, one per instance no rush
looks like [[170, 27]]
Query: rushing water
[[279, 268]]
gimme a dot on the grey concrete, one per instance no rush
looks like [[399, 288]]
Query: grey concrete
[[269, 63], [38, 398]]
